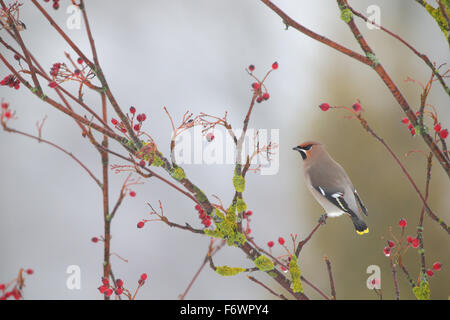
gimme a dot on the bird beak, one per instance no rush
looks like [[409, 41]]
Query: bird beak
[[296, 148]]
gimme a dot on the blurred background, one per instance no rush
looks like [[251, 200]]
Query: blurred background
[[192, 55]]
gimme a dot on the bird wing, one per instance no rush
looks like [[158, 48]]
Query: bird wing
[[336, 198], [335, 187], [361, 204]]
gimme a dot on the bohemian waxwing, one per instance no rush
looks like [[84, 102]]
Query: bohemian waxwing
[[330, 185]]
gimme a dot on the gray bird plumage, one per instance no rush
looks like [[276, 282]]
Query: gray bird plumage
[[330, 184]]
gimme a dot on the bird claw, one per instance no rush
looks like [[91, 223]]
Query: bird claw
[[323, 219]]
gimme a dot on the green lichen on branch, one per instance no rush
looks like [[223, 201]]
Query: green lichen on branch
[[294, 270], [157, 162], [228, 271], [226, 227], [239, 183], [178, 173], [421, 130], [439, 17], [346, 15], [422, 291], [372, 57], [199, 194], [263, 263], [241, 206]]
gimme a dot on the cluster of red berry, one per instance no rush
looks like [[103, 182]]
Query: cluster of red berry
[[15, 292], [281, 241], [206, 220], [107, 289], [326, 106], [117, 287], [443, 133], [413, 242], [55, 4], [247, 216], [11, 82], [257, 85], [55, 69], [137, 127], [6, 112]]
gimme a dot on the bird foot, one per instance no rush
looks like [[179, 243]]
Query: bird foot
[[323, 219]]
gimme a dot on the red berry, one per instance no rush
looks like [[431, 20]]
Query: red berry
[[132, 110], [140, 224], [415, 242], [443, 134], [248, 231], [430, 272], [255, 85], [391, 243], [387, 251], [119, 283], [410, 126], [94, 239], [259, 99], [357, 107], [53, 84], [266, 96], [119, 291], [143, 116], [270, 244], [437, 127], [17, 85], [124, 130], [275, 65], [143, 276], [114, 122], [55, 5], [108, 292], [139, 118], [413, 132], [2, 286], [198, 207], [409, 239], [281, 240], [132, 194], [137, 127], [80, 60], [402, 223], [283, 268], [142, 163], [29, 271], [249, 213], [324, 106], [8, 114], [206, 223], [210, 137], [405, 120], [5, 105], [251, 67], [17, 57], [77, 71], [437, 266]]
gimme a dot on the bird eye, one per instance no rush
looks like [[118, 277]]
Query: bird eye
[[307, 147]]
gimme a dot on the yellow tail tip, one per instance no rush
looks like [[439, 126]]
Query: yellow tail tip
[[362, 232]]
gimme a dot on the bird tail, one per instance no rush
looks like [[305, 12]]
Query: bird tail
[[360, 225]]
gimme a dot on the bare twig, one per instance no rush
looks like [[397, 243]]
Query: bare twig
[[330, 275]]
